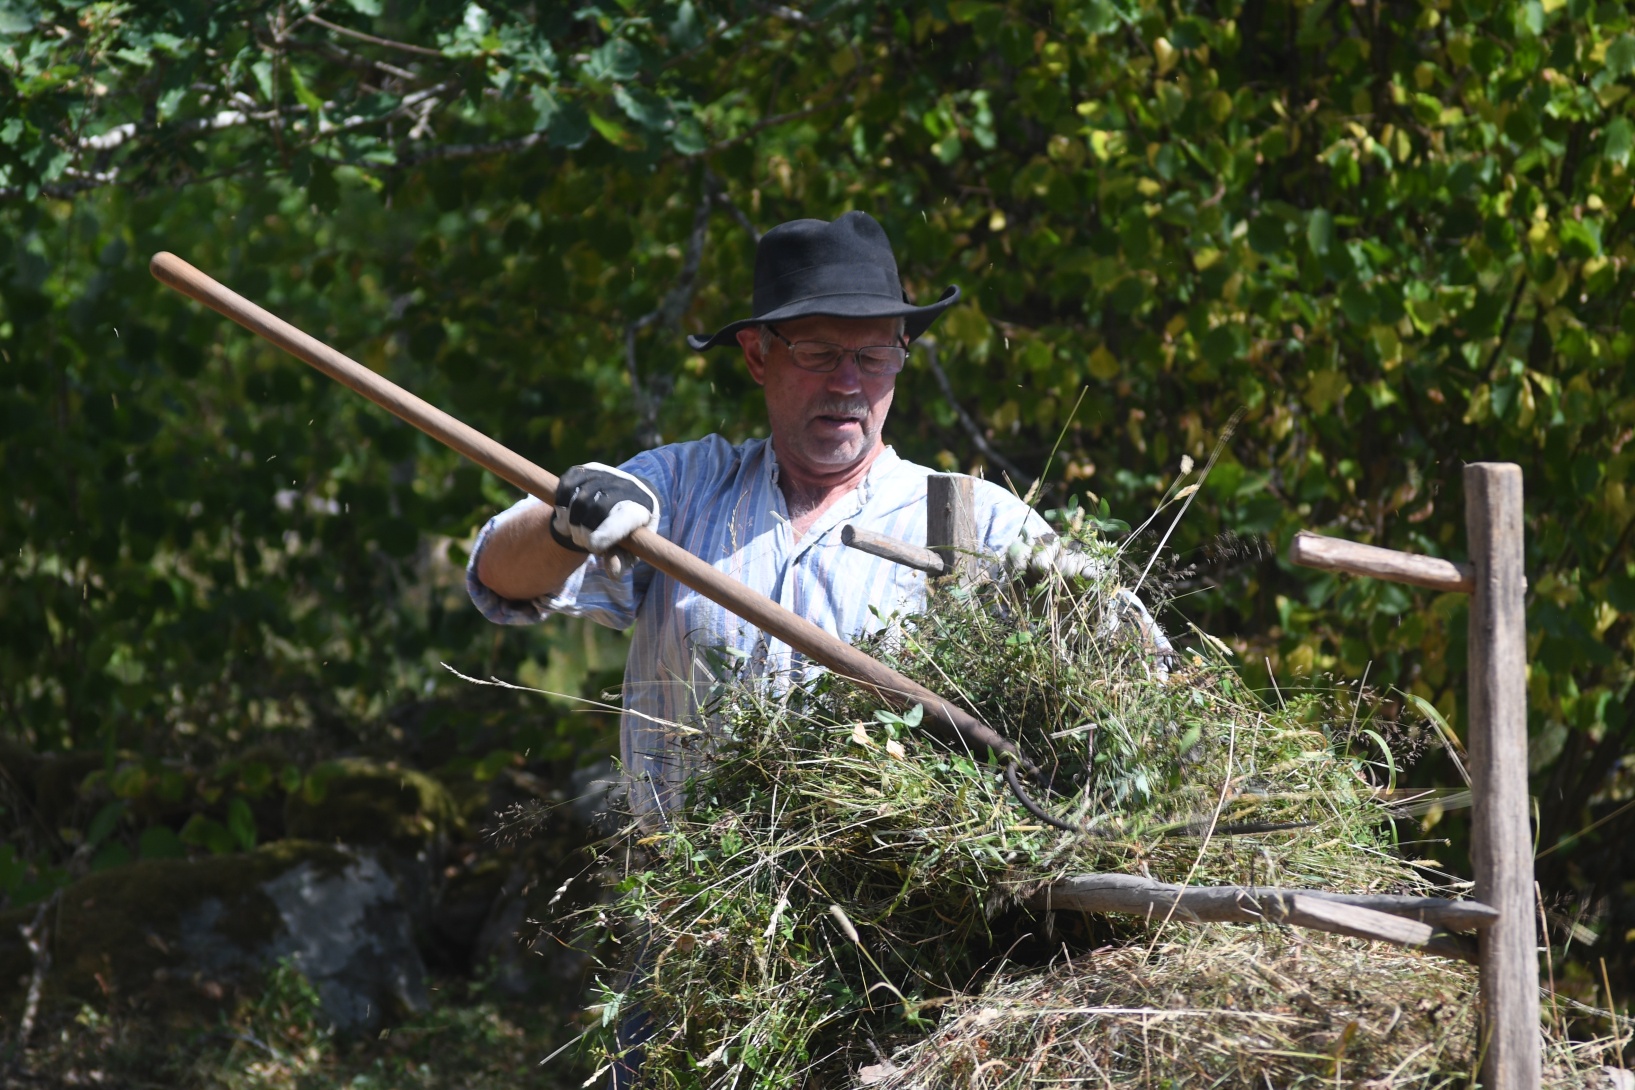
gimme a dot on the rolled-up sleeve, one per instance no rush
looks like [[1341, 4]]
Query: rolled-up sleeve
[[590, 591], [493, 606]]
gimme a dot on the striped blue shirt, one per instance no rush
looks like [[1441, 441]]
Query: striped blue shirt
[[722, 503]]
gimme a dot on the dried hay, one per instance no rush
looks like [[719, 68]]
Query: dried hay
[[1220, 1006], [1224, 1006]]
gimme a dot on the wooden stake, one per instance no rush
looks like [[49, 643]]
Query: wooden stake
[[1501, 842], [889, 548], [1337, 554], [950, 520]]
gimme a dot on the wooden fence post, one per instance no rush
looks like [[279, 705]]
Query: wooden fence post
[[1501, 842], [950, 521]]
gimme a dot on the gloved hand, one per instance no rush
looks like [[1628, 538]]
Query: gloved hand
[[1033, 560], [597, 507]]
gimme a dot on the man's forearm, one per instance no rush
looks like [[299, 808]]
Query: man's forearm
[[522, 561]]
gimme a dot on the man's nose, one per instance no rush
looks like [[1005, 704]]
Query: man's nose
[[846, 378]]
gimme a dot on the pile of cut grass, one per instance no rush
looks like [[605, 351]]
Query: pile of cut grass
[[842, 892]]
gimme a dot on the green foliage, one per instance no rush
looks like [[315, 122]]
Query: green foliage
[[1396, 236], [213, 551], [148, 808], [22, 882]]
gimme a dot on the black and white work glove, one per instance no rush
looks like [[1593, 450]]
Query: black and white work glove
[[597, 507], [1033, 560]]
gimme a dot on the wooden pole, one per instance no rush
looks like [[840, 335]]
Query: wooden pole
[[1501, 842], [950, 521], [889, 548], [822, 647], [1337, 554], [1144, 896]]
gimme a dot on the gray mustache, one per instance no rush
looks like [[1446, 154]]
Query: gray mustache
[[841, 407]]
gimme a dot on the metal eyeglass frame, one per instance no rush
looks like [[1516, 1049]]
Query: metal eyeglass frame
[[840, 354]]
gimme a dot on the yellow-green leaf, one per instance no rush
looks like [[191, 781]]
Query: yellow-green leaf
[[1102, 364]]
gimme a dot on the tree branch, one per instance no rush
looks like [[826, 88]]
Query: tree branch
[[1509, 316], [424, 99], [221, 119], [350, 59], [406, 47], [58, 191], [966, 421], [668, 313], [429, 94], [1618, 548], [466, 151], [718, 193], [37, 937], [226, 119]]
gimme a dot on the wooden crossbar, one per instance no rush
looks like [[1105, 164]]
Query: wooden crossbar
[[1084, 890], [890, 548], [1421, 922], [1337, 554]]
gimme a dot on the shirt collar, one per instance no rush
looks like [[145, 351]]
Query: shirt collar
[[884, 465]]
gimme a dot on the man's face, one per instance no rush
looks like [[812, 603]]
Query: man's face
[[823, 422]]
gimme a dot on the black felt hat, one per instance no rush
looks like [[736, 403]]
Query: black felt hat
[[842, 269]]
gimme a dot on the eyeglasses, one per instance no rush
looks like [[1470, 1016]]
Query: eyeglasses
[[874, 359]]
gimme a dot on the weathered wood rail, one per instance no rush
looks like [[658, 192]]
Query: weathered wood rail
[[1422, 922], [1121, 892], [1337, 554]]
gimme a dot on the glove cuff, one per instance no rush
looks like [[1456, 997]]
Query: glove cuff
[[565, 541]]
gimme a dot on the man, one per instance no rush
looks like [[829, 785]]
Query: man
[[829, 334]]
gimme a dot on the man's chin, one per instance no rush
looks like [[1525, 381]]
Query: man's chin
[[836, 455]]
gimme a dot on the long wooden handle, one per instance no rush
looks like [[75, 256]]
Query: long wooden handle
[[799, 633]]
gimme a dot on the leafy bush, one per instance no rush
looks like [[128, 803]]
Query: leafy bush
[[1396, 235]]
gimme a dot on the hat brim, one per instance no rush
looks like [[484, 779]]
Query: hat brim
[[916, 319]]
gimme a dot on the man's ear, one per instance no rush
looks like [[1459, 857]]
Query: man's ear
[[749, 340]]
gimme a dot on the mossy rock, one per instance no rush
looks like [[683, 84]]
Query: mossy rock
[[481, 799], [366, 803], [177, 938]]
